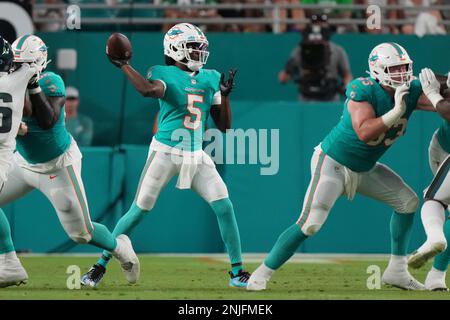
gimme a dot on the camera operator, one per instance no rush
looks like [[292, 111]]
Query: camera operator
[[319, 66]]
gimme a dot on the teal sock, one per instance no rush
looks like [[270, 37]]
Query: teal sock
[[6, 244], [102, 238], [441, 261], [286, 245], [228, 229], [104, 259], [125, 225], [401, 226], [236, 268]]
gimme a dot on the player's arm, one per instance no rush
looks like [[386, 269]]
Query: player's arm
[[46, 110], [221, 113], [367, 125], [443, 107], [444, 81], [147, 88], [364, 121], [424, 104], [432, 89]]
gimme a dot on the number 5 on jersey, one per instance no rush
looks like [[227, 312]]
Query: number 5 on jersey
[[194, 119]]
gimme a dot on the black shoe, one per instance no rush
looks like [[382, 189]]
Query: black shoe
[[93, 276], [240, 280]]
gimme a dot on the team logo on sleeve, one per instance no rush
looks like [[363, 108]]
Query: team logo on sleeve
[[52, 88]]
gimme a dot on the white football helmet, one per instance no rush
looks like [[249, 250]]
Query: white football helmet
[[32, 49], [184, 39], [386, 55]]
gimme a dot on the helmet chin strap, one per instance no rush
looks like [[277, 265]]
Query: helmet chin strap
[[194, 66]]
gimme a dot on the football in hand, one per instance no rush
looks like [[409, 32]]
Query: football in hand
[[118, 47]]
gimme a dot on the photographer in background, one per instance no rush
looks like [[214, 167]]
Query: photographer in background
[[80, 126], [320, 67]]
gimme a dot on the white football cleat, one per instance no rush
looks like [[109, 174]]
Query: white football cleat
[[259, 278], [401, 279], [128, 259], [435, 280], [11, 271], [426, 252], [257, 282]]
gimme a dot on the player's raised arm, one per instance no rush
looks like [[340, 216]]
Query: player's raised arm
[[147, 88], [46, 110], [432, 90], [367, 125], [221, 113], [118, 51]]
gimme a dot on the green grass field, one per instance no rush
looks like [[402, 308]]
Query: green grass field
[[206, 278]]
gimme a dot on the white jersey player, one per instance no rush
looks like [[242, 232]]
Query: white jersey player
[[13, 86]]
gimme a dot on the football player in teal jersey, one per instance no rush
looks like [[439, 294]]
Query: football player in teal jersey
[[437, 195], [48, 159], [187, 94], [375, 115]]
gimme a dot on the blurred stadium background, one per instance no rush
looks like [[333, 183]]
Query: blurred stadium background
[[256, 37]]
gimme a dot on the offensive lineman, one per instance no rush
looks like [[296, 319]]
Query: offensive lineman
[[375, 115], [187, 93], [48, 159]]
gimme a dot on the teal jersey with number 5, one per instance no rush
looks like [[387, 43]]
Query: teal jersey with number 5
[[185, 106], [342, 143], [39, 145]]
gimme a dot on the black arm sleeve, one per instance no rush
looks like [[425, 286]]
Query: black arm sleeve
[[46, 110]]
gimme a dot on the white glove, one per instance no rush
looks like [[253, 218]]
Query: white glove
[[23, 129], [399, 109], [430, 86]]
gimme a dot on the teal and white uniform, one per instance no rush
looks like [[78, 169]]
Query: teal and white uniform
[[343, 164], [41, 146], [176, 149], [50, 161], [186, 105], [342, 143]]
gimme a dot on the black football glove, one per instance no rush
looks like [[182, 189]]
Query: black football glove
[[33, 83], [226, 86], [119, 63]]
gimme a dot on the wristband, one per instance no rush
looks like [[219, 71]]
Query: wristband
[[391, 117], [35, 90], [435, 98]]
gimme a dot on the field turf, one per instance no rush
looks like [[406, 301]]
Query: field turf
[[206, 278]]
